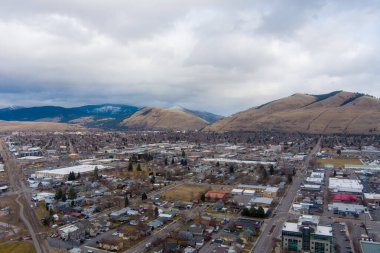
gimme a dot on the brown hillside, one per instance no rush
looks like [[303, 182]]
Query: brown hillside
[[164, 118], [9, 126], [339, 112]]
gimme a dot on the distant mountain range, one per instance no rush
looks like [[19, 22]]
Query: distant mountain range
[[108, 116], [165, 118], [335, 112]]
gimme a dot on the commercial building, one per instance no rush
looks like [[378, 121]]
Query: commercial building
[[372, 198], [370, 247], [306, 236], [64, 172], [345, 185], [343, 208]]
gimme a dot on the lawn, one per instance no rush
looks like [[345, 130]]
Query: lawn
[[16, 247], [185, 192], [340, 161]]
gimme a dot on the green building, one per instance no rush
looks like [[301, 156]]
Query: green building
[[307, 236]]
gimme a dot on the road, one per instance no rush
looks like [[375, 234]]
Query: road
[[265, 241], [26, 213]]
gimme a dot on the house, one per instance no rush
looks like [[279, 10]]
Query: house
[[216, 195], [199, 241], [196, 229], [155, 223], [172, 247], [75, 231], [262, 201], [189, 250], [134, 234], [113, 244], [3, 188]]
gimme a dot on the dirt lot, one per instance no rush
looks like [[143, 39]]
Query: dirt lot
[[9, 215], [186, 192], [340, 161]]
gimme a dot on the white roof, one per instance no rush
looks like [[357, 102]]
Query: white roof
[[68, 229], [371, 196], [314, 179], [249, 192], [345, 185], [317, 174], [262, 200], [290, 226], [311, 186], [237, 191], [323, 230], [271, 189], [65, 171]]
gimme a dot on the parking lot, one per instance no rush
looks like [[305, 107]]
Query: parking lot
[[341, 240]]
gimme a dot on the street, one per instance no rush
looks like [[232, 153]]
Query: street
[[265, 241]]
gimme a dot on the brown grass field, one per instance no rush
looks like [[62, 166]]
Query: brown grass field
[[7, 126], [340, 161], [185, 192], [18, 247]]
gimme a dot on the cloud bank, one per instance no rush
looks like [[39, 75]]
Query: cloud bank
[[219, 56]]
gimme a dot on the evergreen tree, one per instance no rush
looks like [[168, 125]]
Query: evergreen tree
[[58, 194], [153, 179], [203, 197], [130, 166], [72, 194], [290, 179], [173, 160], [217, 164], [156, 212], [78, 175], [96, 172], [64, 198], [46, 221], [271, 170], [260, 212], [183, 153], [246, 212], [264, 174], [144, 196], [126, 201], [166, 161], [71, 176], [232, 169], [139, 167]]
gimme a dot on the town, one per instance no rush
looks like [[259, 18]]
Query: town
[[178, 191]]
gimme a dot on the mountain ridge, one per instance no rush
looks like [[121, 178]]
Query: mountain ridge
[[335, 112]]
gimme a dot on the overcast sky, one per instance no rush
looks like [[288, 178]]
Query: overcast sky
[[218, 56]]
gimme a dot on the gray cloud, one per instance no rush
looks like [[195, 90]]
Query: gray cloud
[[220, 56]]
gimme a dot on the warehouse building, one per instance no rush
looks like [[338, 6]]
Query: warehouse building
[[64, 172]]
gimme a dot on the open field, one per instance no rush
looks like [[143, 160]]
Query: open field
[[7, 126], [186, 192], [340, 161], [17, 247], [11, 217]]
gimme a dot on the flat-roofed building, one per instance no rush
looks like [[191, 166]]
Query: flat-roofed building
[[345, 185], [372, 198], [64, 172], [306, 236]]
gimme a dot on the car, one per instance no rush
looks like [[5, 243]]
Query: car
[[148, 244], [115, 234]]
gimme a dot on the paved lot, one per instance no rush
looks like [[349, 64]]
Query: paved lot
[[341, 240], [375, 214]]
